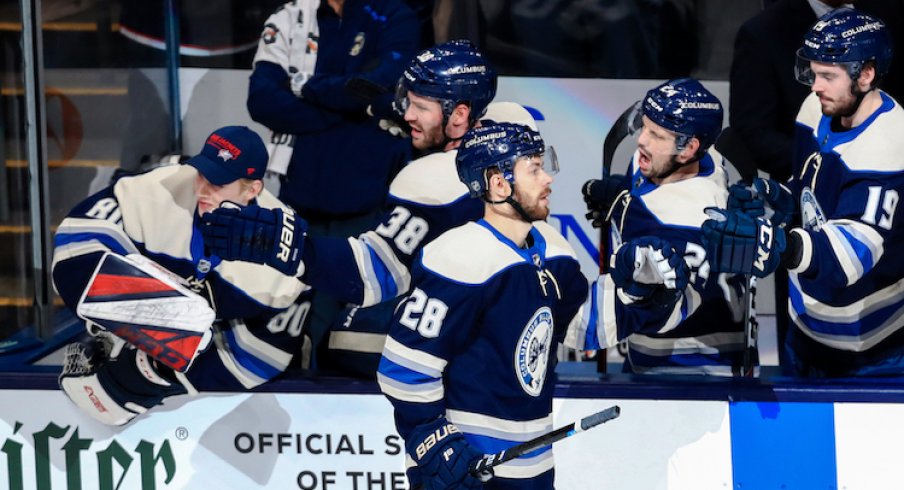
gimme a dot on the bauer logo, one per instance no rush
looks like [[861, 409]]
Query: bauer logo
[[115, 463], [532, 351]]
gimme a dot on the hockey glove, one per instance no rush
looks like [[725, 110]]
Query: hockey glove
[[779, 199], [745, 199], [740, 244], [443, 456], [648, 268], [113, 389], [254, 234], [600, 195], [389, 115]]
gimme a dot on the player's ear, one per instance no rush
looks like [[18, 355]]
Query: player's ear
[[690, 149], [254, 189], [497, 186], [867, 76], [459, 121]]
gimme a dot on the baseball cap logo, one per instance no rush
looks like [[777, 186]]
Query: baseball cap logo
[[225, 155], [226, 150]]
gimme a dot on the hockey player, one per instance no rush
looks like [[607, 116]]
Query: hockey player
[[444, 91], [469, 362], [131, 261], [485, 294], [672, 179], [846, 290]]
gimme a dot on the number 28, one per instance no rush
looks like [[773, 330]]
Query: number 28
[[423, 315]]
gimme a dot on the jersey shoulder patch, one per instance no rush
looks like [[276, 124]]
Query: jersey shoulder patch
[[429, 180], [470, 254]]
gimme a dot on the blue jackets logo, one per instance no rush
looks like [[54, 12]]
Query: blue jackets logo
[[532, 354]]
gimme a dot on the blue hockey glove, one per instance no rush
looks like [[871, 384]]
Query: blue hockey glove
[[745, 199], [779, 199], [255, 234], [740, 244], [443, 456], [648, 268], [600, 195]]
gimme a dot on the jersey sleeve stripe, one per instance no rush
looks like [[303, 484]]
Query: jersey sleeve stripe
[[371, 343], [401, 391], [413, 359], [244, 351], [856, 246], [806, 304], [523, 468], [713, 343], [513, 430], [856, 342], [383, 274]]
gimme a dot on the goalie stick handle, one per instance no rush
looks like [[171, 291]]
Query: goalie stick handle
[[588, 422]]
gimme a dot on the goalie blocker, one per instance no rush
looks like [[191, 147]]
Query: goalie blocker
[[147, 306]]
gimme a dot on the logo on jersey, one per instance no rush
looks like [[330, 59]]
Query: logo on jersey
[[532, 352], [269, 34], [810, 211]]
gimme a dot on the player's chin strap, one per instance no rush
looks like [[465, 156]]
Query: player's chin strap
[[515, 204]]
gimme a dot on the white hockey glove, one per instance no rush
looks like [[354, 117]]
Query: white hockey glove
[[112, 389], [648, 268], [148, 307]]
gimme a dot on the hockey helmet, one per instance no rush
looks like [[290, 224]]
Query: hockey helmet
[[499, 145], [685, 107], [452, 72], [846, 37]]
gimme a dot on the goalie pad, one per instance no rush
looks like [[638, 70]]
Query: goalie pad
[[147, 306]]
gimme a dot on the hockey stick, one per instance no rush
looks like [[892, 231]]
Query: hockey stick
[[626, 125], [735, 151], [490, 460]]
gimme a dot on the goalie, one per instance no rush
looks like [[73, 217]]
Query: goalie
[[167, 318]]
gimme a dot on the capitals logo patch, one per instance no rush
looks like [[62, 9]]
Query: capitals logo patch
[[532, 351]]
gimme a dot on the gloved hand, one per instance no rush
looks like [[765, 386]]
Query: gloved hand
[[443, 456], [297, 81], [254, 234], [390, 117], [745, 199], [738, 243], [779, 199], [648, 268], [765, 193], [599, 195]]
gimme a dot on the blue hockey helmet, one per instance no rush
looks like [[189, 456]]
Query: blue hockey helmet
[[845, 37], [685, 107], [453, 72], [498, 145]]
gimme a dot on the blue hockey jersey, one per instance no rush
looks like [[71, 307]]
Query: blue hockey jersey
[[425, 200], [475, 340], [155, 215], [704, 332], [847, 294]]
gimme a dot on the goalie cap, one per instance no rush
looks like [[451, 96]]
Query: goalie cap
[[231, 153]]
